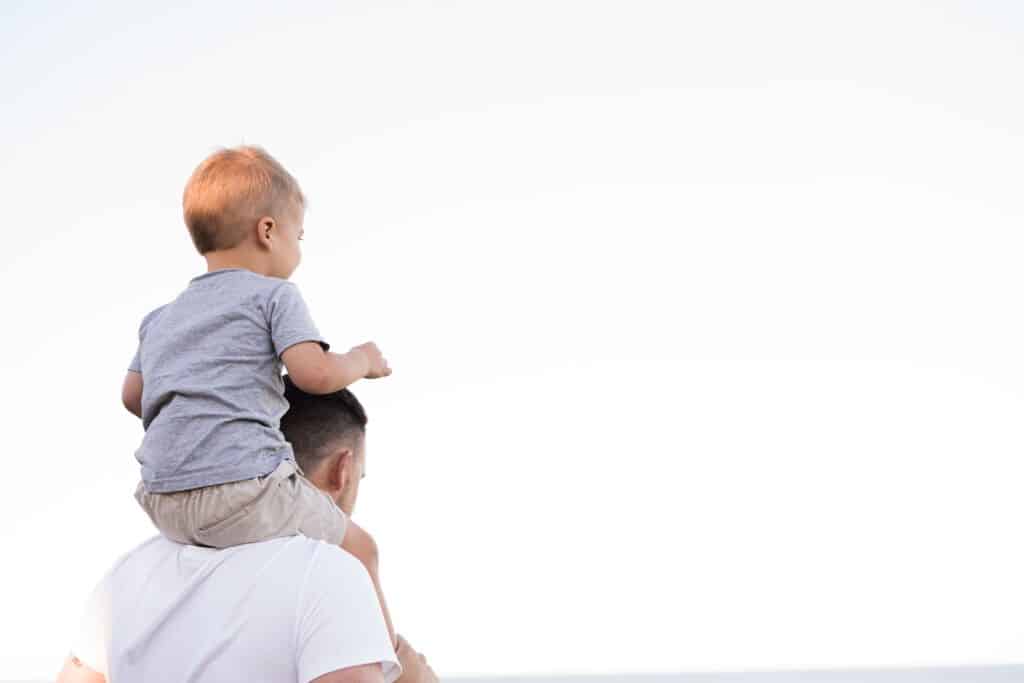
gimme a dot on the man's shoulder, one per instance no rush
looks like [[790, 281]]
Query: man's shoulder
[[156, 545], [181, 567], [333, 559], [294, 548], [317, 570]]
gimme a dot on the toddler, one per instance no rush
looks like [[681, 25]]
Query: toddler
[[206, 379]]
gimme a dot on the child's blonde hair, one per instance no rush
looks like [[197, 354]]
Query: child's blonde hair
[[231, 190]]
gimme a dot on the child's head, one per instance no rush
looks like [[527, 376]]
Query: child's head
[[243, 201]]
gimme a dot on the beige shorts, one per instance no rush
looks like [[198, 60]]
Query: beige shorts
[[282, 503]]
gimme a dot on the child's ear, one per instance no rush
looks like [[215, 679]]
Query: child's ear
[[265, 231]]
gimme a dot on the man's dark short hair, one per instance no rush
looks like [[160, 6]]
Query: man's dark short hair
[[316, 423]]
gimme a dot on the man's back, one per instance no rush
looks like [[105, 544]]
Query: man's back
[[291, 609]]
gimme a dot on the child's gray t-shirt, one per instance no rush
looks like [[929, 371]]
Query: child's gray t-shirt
[[213, 396]]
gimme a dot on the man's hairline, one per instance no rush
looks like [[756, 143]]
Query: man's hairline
[[351, 440]]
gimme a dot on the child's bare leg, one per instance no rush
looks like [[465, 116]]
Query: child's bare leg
[[359, 543]]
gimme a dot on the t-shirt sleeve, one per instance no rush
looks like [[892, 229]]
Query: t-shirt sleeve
[[340, 623], [290, 321], [93, 637], [136, 364]]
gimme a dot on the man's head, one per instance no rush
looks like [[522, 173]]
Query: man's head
[[328, 435], [242, 199]]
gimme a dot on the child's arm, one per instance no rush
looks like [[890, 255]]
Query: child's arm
[[316, 371], [131, 393]]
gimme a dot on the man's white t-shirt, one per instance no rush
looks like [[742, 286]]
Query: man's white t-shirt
[[287, 610]]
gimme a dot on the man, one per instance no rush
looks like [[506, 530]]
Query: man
[[290, 609]]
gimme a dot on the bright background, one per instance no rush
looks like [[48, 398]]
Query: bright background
[[705, 317]]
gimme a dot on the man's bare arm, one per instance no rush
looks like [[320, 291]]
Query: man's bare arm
[[415, 669], [361, 544], [76, 672]]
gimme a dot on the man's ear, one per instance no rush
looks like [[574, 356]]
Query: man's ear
[[265, 231], [342, 469]]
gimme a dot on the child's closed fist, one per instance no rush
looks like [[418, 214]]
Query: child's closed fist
[[377, 365]]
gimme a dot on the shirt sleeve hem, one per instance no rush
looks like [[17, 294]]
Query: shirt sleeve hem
[[388, 664], [298, 340]]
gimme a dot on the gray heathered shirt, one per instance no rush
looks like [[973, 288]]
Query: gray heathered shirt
[[213, 395]]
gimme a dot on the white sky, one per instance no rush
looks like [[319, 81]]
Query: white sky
[[704, 317]]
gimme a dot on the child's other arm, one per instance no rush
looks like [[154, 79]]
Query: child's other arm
[[316, 371], [131, 393]]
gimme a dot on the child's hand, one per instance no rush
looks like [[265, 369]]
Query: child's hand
[[376, 363]]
